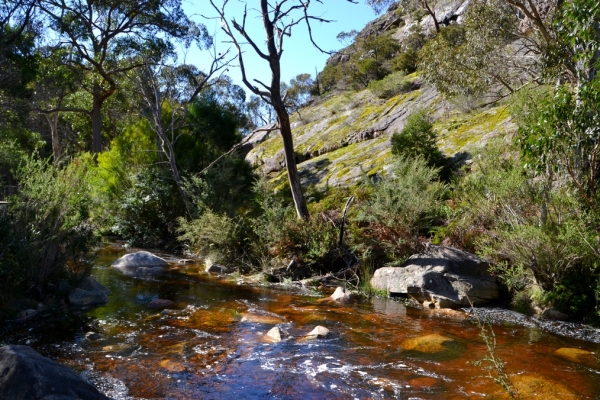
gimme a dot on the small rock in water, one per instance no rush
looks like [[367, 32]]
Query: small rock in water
[[555, 315], [275, 334], [160, 303], [25, 314], [341, 294], [93, 336], [260, 319], [139, 259], [216, 269], [185, 261], [318, 332]]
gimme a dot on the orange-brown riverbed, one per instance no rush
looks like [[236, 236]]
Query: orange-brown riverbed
[[203, 347]]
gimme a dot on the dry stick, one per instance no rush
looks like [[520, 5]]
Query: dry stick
[[344, 220]]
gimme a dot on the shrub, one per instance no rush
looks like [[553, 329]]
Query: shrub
[[401, 207], [390, 86], [406, 62], [417, 139], [45, 234], [214, 236], [149, 210]]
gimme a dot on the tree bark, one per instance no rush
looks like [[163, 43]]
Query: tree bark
[[97, 121], [290, 160], [53, 123]]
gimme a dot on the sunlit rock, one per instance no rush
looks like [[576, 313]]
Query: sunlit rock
[[440, 277], [25, 375], [341, 294], [275, 334], [142, 259], [186, 261], [318, 332]]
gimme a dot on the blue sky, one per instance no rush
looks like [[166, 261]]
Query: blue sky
[[299, 56]]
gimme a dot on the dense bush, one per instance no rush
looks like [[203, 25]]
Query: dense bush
[[45, 234], [149, 210], [400, 208], [418, 139], [534, 229], [391, 85]]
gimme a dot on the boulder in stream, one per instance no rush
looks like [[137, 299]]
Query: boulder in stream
[[274, 335], [318, 332], [88, 292], [25, 375], [141, 262], [440, 277]]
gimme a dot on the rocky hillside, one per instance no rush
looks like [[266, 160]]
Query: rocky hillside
[[341, 137]]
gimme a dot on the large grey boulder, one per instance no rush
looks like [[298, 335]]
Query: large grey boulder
[[89, 292], [27, 375], [440, 277], [141, 262]]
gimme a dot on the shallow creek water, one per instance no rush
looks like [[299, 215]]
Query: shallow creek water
[[203, 348]]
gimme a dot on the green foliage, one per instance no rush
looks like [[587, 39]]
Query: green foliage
[[390, 86], [45, 235], [406, 62], [401, 207], [214, 236], [368, 61], [472, 58], [535, 229], [149, 211], [417, 139]]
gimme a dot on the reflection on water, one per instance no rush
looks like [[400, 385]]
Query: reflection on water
[[210, 344]]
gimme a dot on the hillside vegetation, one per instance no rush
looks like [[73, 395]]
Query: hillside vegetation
[[473, 124]]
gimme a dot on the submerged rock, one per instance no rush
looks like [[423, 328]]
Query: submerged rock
[[141, 262], [89, 292], [25, 375], [26, 314], [440, 277], [433, 343], [261, 319], [534, 387], [172, 366], [160, 303]]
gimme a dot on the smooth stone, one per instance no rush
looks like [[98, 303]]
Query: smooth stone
[[139, 259], [26, 314], [275, 334], [427, 344], [440, 277], [26, 375], [573, 354], [160, 303], [341, 294], [260, 319], [318, 332]]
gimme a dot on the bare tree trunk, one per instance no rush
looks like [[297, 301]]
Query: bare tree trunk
[[97, 120], [53, 124], [290, 161]]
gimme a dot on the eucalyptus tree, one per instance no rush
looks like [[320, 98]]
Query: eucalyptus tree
[[107, 36], [278, 19]]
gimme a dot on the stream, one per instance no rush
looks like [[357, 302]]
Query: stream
[[211, 344]]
